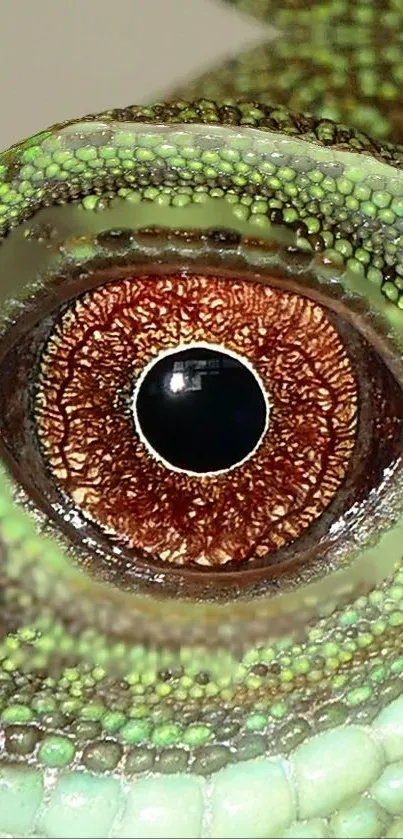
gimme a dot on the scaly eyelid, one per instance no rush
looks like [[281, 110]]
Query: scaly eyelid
[[49, 575], [42, 172]]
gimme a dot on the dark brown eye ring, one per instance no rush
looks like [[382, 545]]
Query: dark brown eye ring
[[326, 423]]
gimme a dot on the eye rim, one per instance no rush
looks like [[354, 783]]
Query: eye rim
[[221, 587], [206, 121], [84, 602], [243, 115], [246, 117]]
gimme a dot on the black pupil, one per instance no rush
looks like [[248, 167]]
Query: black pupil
[[201, 410]]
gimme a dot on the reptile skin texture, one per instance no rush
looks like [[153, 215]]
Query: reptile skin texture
[[209, 651]]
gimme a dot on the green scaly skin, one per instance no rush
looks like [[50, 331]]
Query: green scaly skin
[[131, 713]]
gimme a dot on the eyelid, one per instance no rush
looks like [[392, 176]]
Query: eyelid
[[86, 138], [84, 261], [122, 616]]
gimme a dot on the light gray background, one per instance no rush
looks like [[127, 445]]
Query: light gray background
[[63, 60]]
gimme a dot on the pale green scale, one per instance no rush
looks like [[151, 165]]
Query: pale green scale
[[285, 797]]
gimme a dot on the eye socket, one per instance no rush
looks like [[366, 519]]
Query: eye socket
[[70, 252], [81, 424]]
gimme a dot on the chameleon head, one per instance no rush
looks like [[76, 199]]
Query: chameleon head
[[201, 491]]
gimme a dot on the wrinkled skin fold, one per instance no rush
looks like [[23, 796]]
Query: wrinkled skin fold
[[210, 675]]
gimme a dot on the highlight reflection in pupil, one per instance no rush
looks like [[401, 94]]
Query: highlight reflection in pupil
[[200, 409]]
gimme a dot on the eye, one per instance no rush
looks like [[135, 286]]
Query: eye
[[201, 350], [202, 411], [198, 421]]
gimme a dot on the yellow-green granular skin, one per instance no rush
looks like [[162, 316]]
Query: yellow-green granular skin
[[336, 60], [119, 699]]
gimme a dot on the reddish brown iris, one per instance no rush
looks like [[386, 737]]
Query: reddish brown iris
[[89, 366]]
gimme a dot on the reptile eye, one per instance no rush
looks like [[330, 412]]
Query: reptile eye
[[192, 397], [198, 420]]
